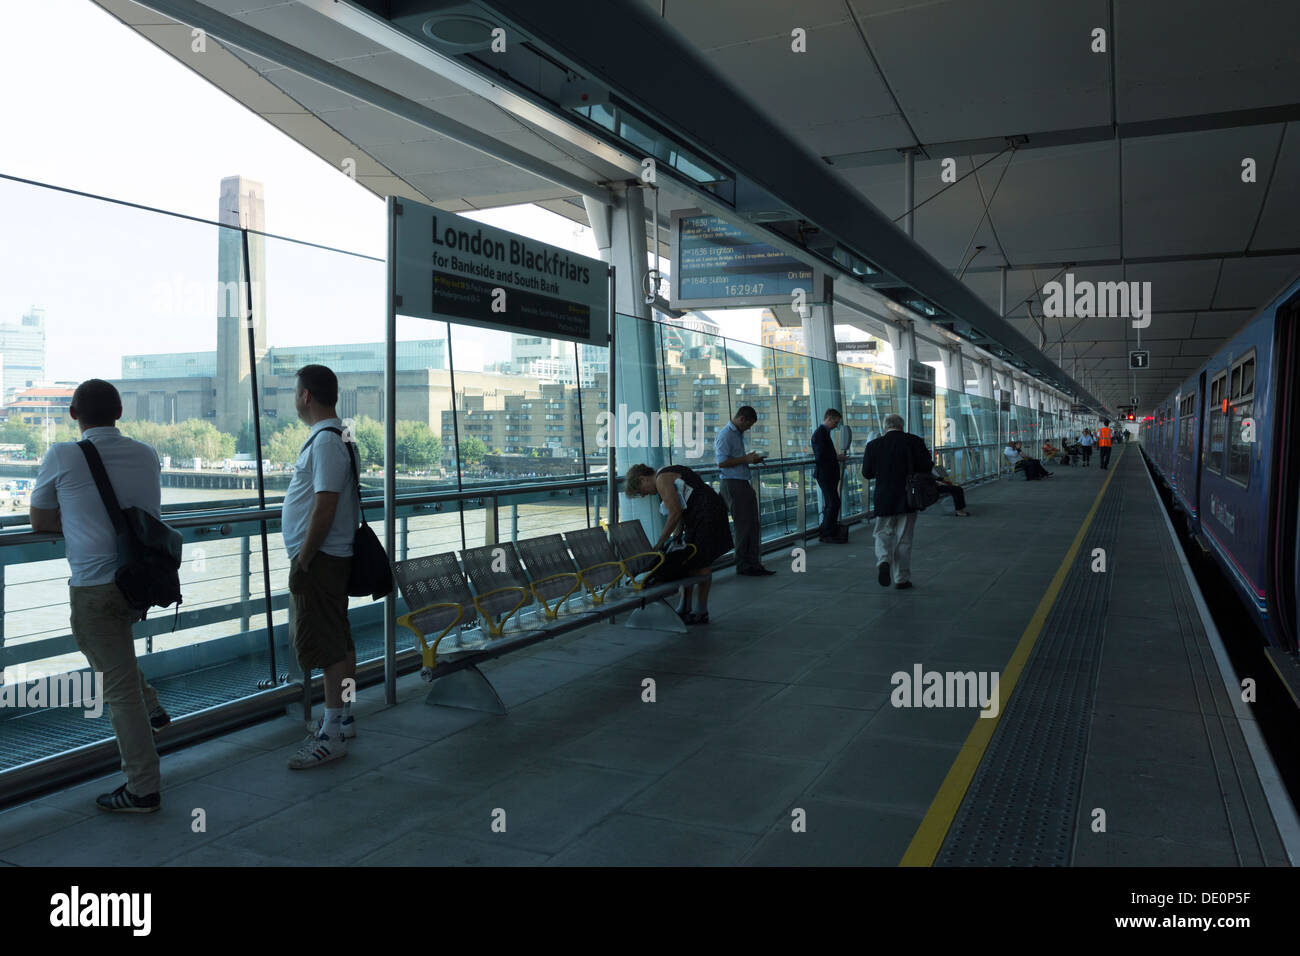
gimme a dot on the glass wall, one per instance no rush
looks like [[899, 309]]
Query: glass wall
[[499, 436]]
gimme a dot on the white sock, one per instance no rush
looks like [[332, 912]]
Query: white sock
[[347, 709], [333, 725]]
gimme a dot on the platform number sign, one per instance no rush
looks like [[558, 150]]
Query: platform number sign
[[1139, 358]]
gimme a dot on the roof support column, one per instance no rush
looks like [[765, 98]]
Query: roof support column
[[819, 343], [621, 236]]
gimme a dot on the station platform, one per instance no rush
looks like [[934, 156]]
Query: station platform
[[774, 737]]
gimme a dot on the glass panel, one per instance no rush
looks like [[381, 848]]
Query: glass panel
[[1238, 448], [1214, 454], [320, 309]]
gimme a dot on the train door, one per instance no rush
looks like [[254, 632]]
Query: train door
[[1197, 448], [1284, 491]]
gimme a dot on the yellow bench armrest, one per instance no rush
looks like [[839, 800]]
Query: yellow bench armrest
[[552, 613], [495, 628], [599, 598], [429, 654]]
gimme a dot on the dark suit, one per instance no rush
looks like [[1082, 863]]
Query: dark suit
[[827, 472], [889, 460]]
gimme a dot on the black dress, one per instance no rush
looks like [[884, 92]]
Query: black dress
[[705, 518]]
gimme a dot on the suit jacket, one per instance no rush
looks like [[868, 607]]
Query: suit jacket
[[889, 460], [827, 467]]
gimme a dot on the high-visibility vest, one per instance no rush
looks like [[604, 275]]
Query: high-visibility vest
[[1103, 437]]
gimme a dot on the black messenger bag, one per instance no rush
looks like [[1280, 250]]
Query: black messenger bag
[[149, 551], [371, 574]]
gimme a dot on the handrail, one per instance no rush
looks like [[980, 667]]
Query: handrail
[[236, 515]]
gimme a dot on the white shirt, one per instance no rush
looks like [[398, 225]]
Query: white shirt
[[683, 496], [64, 482], [1011, 453], [324, 465], [1088, 440]]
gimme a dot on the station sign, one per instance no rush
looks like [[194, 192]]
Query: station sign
[[449, 268], [1139, 358], [719, 265]]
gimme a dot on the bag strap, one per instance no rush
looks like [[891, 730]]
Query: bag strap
[[356, 467], [106, 494]]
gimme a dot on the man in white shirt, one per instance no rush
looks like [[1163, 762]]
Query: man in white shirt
[[66, 501], [320, 516]]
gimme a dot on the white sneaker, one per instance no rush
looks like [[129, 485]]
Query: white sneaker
[[318, 750], [349, 724]]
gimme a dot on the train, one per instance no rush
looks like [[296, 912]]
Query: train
[[1224, 445]]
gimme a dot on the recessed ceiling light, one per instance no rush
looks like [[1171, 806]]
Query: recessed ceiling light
[[460, 33]]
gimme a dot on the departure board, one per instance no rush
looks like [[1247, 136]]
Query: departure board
[[718, 264]]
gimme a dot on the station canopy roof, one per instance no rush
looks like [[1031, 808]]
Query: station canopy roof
[[1123, 165]]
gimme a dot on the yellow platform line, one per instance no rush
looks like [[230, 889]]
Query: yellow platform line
[[934, 828]]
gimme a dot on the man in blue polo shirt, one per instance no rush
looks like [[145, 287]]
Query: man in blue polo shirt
[[733, 469]]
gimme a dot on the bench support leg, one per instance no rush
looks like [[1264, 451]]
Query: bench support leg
[[656, 616], [467, 689]]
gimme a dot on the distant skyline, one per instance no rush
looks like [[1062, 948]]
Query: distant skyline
[[115, 280]]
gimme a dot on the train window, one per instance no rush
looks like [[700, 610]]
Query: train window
[[1218, 424], [1239, 440]]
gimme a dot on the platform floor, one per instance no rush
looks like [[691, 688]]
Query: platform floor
[[777, 713]]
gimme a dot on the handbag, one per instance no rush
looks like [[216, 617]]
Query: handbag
[[922, 490], [370, 573], [149, 551]]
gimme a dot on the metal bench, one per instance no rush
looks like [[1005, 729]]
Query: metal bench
[[634, 550], [439, 597], [599, 569], [551, 569], [436, 594], [498, 577]]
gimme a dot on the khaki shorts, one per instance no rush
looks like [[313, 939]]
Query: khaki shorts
[[318, 613]]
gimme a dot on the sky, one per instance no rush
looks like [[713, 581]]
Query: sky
[[86, 104]]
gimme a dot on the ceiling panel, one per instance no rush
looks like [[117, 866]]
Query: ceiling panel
[[796, 89], [305, 28], [1219, 325], [723, 23], [1183, 194], [1059, 205], [965, 70], [1279, 227], [1252, 282], [1177, 285], [1173, 58]]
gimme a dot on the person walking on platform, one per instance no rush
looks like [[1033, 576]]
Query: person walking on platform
[[890, 459], [1103, 443], [827, 473], [699, 514], [319, 518], [737, 492], [1086, 441], [67, 501]]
